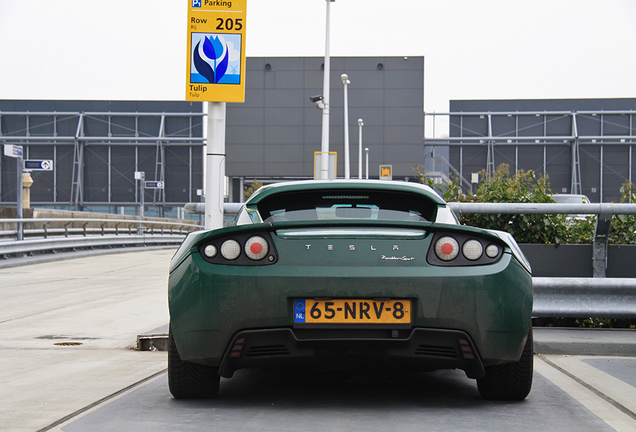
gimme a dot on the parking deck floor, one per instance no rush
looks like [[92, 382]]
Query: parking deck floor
[[67, 363]]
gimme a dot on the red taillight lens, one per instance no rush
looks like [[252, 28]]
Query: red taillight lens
[[446, 248], [256, 248]]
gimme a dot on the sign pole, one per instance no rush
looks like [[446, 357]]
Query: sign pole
[[140, 176], [17, 152], [19, 197], [215, 165], [215, 73], [324, 145]]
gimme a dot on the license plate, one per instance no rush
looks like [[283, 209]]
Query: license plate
[[352, 311]]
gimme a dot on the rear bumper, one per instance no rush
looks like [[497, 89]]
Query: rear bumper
[[210, 304], [416, 349]]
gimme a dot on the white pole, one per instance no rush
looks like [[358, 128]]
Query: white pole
[[19, 168], [366, 150], [360, 124], [324, 148], [346, 82], [215, 166]]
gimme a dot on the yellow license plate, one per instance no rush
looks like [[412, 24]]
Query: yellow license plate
[[352, 311]]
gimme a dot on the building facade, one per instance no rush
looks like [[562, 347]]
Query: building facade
[[97, 146], [585, 146]]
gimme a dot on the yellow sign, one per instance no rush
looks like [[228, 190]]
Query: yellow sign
[[216, 50], [386, 172]]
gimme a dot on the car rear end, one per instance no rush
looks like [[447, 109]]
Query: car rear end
[[337, 277], [323, 287]]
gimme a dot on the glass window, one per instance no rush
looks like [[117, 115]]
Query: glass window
[[347, 204]]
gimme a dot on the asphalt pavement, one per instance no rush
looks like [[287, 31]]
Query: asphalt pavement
[[68, 332]]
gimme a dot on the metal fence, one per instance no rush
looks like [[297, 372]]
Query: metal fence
[[41, 235]]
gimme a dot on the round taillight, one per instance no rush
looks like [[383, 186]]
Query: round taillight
[[446, 248], [492, 251], [210, 251], [230, 250], [472, 250], [256, 248]]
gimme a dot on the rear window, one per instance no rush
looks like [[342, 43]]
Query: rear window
[[347, 204]]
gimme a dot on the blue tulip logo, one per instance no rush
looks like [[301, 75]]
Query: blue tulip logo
[[213, 54]]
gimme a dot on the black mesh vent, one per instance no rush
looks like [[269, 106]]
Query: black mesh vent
[[436, 351], [267, 350]]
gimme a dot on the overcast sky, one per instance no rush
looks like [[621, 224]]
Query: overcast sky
[[490, 49]]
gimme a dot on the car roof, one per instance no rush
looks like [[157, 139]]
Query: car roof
[[374, 185]]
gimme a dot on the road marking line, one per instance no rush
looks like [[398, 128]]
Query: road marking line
[[101, 401], [618, 390], [607, 409]]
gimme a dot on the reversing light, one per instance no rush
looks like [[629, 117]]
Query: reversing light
[[472, 250], [492, 251], [210, 251], [256, 248], [230, 249], [446, 248]]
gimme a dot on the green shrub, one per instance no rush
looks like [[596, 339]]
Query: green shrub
[[528, 187]]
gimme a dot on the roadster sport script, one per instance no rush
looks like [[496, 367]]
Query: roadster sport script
[[352, 311]]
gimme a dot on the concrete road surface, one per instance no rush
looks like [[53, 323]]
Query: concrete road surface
[[66, 364], [99, 302]]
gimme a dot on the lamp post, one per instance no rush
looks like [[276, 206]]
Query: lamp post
[[346, 82], [360, 124], [324, 147], [366, 150]]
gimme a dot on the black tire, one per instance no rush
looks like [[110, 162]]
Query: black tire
[[510, 381], [190, 380]]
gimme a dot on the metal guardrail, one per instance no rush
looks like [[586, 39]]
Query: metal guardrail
[[28, 247], [542, 208], [575, 297], [584, 297], [54, 234], [603, 211]]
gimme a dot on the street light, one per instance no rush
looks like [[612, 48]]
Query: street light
[[324, 147], [360, 124], [366, 150], [346, 82]]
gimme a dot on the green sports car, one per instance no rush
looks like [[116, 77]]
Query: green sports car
[[351, 275]]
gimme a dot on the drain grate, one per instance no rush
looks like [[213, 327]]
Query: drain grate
[[67, 343]]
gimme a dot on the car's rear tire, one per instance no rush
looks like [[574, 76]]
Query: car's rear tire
[[510, 381], [190, 380]]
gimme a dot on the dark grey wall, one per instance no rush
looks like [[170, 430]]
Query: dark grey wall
[[576, 260], [277, 130]]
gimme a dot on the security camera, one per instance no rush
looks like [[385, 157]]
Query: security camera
[[318, 101]]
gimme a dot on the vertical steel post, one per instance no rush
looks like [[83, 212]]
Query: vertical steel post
[[324, 148], [490, 162], [601, 176], [215, 165], [346, 82], [575, 186], [360, 124], [110, 174], [142, 192], [19, 168]]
